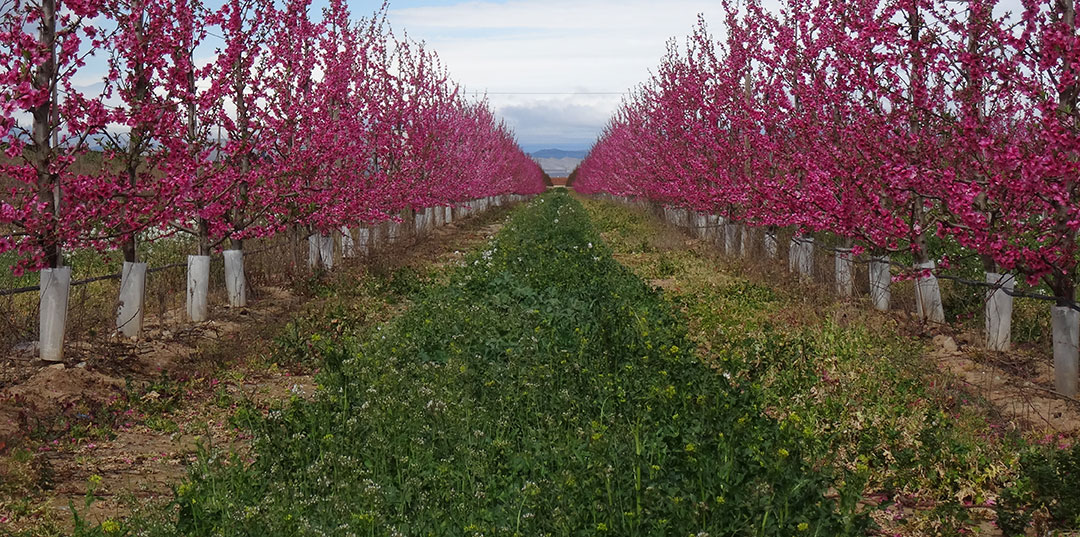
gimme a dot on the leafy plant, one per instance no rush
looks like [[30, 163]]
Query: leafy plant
[[1045, 488], [543, 390], [861, 396]]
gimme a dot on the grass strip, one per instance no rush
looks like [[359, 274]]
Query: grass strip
[[934, 458], [544, 390]]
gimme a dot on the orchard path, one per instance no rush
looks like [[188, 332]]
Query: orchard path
[[138, 437]]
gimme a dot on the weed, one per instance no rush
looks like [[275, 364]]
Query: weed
[[161, 424], [1043, 493], [543, 390], [863, 401]]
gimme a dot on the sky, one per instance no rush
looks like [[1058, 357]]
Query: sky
[[554, 70]]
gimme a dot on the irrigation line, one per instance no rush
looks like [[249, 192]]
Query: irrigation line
[[117, 276], [973, 283], [963, 281]]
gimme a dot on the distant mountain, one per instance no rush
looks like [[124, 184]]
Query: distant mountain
[[558, 153], [565, 145], [558, 167], [558, 162]]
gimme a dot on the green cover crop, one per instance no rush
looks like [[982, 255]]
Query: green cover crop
[[545, 390]]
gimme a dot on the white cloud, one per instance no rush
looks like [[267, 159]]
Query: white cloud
[[565, 120], [591, 15], [554, 46], [547, 46]]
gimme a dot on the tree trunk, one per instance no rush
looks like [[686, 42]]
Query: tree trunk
[[204, 237], [44, 125]]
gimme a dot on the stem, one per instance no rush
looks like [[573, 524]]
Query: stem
[[45, 124]]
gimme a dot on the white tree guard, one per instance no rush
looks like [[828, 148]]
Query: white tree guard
[[928, 304], [880, 282], [52, 321], [440, 216], [348, 244], [772, 251], [845, 269], [449, 215], [806, 258], [746, 241], [731, 234], [1066, 326], [702, 221], [999, 307], [129, 312], [235, 280], [418, 223], [198, 287], [794, 251], [394, 232], [313, 256], [326, 251], [363, 241]]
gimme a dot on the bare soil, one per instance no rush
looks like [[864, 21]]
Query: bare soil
[[1019, 385]]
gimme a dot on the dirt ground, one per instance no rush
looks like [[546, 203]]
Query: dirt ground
[[125, 418], [1019, 385]]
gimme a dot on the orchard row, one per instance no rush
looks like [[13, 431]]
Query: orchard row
[[226, 124], [894, 125]]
